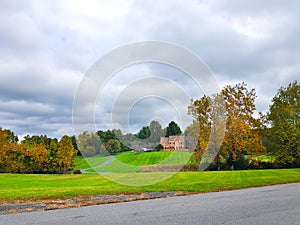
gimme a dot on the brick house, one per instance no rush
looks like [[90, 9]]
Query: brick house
[[175, 142]]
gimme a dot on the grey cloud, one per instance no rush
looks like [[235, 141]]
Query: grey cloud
[[256, 7], [45, 48]]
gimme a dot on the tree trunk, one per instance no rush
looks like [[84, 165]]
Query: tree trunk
[[218, 162]]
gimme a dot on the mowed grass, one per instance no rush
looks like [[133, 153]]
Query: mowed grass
[[143, 158], [24, 186], [87, 162], [151, 158], [130, 162]]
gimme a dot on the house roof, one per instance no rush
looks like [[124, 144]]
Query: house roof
[[172, 138], [178, 137]]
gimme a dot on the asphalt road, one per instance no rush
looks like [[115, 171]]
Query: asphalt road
[[278, 204]]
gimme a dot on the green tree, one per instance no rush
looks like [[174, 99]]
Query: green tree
[[173, 129], [122, 139], [65, 155], [156, 132], [74, 142], [106, 135], [113, 146], [144, 133], [53, 147], [284, 120]]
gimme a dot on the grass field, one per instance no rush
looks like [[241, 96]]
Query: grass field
[[83, 163], [21, 186], [143, 158], [130, 162]]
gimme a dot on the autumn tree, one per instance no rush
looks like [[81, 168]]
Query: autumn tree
[[35, 154], [200, 128], [65, 155], [207, 129], [243, 131], [89, 144], [232, 110], [11, 157], [36, 159], [284, 121]]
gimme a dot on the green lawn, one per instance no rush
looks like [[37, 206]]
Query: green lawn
[[151, 158], [16, 186], [143, 158], [117, 166], [129, 162], [83, 163]]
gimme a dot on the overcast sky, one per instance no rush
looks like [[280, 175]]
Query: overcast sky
[[47, 46]]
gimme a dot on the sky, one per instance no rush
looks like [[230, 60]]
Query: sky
[[47, 47]]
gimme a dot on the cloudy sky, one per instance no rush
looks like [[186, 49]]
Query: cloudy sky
[[46, 48]]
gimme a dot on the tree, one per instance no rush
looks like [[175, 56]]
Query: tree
[[36, 159], [65, 156], [106, 135], [205, 134], [40, 153], [89, 144], [232, 110], [243, 132], [199, 130], [11, 155], [11, 137], [123, 139], [173, 129], [74, 142], [284, 121], [113, 146], [144, 133], [53, 147], [156, 132]]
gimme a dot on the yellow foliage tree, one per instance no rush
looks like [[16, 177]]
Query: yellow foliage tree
[[231, 112], [65, 155]]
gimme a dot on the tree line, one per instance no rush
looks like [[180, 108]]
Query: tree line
[[275, 134], [114, 141], [35, 154], [42, 154]]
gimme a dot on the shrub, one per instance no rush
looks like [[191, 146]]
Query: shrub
[[77, 172]]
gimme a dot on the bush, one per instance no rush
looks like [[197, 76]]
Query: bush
[[259, 164], [77, 172]]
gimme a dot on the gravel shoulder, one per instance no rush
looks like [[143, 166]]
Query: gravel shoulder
[[8, 207]]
